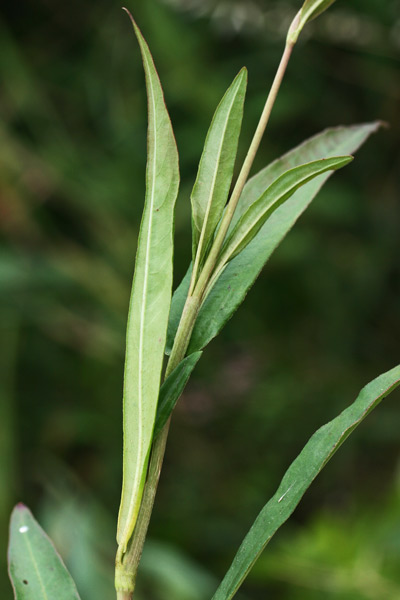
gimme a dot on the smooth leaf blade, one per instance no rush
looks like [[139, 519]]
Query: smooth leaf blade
[[150, 299], [239, 275], [298, 478], [172, 389], [278, 192], [214, 177], [310, 10], [36, 570]]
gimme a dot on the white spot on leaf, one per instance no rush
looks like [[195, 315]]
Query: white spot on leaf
[[24, 529]]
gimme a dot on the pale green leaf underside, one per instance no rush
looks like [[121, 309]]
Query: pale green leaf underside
[[150, 299], [214, 177], [302, 472], [310, 10], [36, 570], [278, 192], [172, 389], [239, 275]]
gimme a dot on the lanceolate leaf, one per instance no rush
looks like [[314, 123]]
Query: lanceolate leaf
[[150, 299], [36, 570], [302, 472], [214, 177], [233, 284], [172, 389], [277, 193], [310, 10]]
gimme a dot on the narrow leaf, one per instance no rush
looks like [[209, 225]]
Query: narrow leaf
[[310, 10], [302, 472], [233, 284], [278, 192], [214, 177], [172, 389], [150, 299], [36, 570]]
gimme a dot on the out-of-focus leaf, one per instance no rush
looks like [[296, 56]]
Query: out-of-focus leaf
[[278, 192], [214, 177], [172, 389], [150, 299], [239, 275], [36, 570], [311, 9], [301, 473]]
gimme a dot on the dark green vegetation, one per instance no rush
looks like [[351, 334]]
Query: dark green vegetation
[[324, 323]]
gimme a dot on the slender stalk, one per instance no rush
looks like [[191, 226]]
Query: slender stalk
[[245, 171], [127, 565]]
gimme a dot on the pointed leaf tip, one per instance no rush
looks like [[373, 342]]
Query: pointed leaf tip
[[36, 570]]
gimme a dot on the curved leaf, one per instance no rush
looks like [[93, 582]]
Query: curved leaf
[[214, 177], [239, 275], [172, 389], [36, 570], [310, 10], [150, 299], [301, 473], [278, 192]]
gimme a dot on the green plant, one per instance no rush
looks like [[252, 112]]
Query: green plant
[[233, 236]]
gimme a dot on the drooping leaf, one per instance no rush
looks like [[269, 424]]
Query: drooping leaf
[[150, 299], [36, 570], [172, 389], [278, 192], [302, 472], [233, 284], [310, 10], [214, 177]]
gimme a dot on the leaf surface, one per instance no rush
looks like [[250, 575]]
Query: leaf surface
[[302, 472], [276, 194], [214, 177], [239, 275], [36, 570], [172, 389], [310, 10], [150, 299]]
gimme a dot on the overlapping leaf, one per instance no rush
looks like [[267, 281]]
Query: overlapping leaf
[[302, 472], [233, 284], [36, 570], [214, 177], [150, 299], [276, 194], [172, 389]]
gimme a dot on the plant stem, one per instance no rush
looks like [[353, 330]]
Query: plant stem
[[245, 171], [127, 565]]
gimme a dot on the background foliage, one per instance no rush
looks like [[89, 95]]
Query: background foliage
[[322, 320]]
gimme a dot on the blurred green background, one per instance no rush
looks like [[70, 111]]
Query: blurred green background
[[323, 319]]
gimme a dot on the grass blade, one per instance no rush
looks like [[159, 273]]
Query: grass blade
[[172, 389], [239, 275], [278, 192], [302, 472], [150, 299], [214, 177], [36, 570]]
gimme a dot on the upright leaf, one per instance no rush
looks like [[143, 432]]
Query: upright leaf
[[232, 286], [36, 570], [150, 299], [214, 177], [278, 192], [302, 472]]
